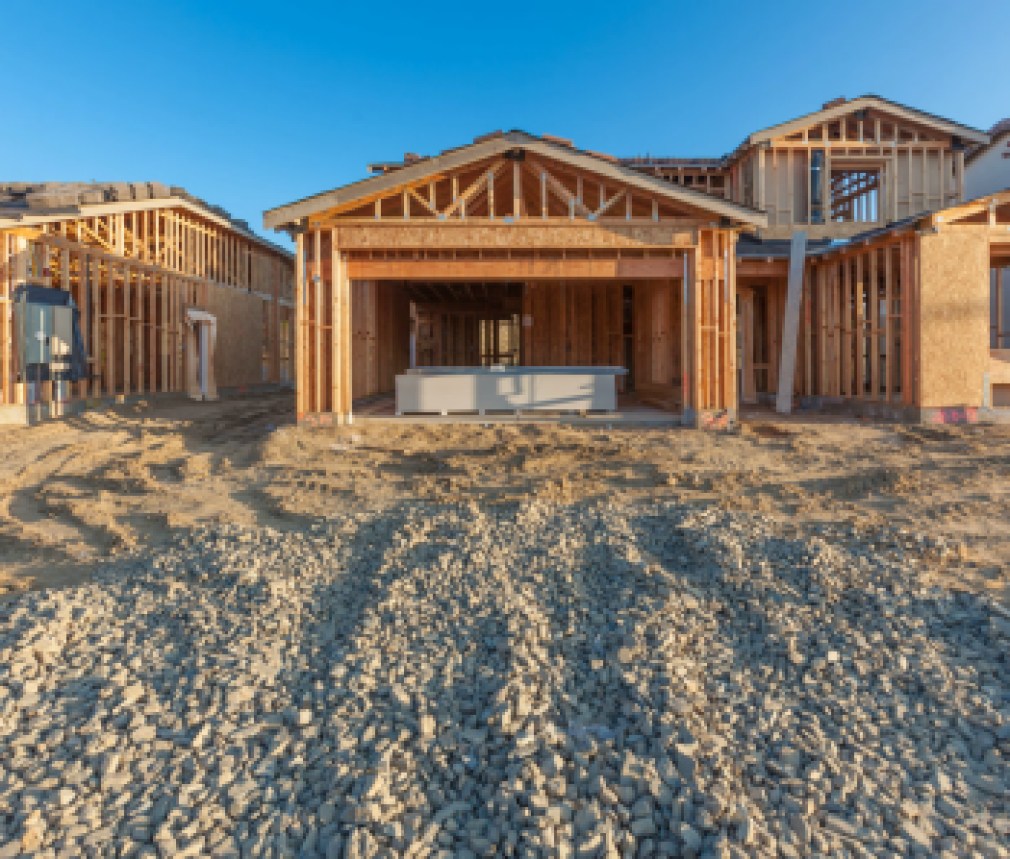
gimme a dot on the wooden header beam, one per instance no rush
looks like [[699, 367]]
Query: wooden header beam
[[535, 235], [515, 269]]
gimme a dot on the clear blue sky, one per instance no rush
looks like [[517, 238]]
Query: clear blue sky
[[253, 104]]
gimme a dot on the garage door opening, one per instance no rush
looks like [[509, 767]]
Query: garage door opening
[[586, 334]]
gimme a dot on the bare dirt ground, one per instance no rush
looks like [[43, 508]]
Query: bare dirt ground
[[74, 493]]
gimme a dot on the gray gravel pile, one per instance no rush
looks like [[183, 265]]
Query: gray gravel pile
[[589, 680]]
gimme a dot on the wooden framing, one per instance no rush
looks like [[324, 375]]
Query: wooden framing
[[584, 240], [860, 322], [133, 270], [881, 162], [594, 252]]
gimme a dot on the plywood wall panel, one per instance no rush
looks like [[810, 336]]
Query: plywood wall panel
[[953, 316]]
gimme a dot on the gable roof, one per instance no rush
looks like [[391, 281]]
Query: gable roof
[[841, 107], [288, 215]]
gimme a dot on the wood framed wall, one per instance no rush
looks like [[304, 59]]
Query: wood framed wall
[[709, 354], [132, 274], [919, 169], [575, 239], [352, 332], [761, 302], [859, 323]]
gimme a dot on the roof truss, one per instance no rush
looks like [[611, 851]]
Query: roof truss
[[512, 176], [910, 123], [513, 187]]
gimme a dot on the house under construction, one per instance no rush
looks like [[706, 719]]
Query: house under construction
[[170, 294], [829, 261]]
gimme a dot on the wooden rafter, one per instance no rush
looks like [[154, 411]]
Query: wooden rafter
[[558, 188], [481, 183], [430, 206], [606, 205]]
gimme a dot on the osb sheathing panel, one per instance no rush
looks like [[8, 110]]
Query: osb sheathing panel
[[953, 316], [239, 359]]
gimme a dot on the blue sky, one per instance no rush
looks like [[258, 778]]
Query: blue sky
[[253, 104]]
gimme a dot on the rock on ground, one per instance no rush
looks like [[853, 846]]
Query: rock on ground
[[571, 680]]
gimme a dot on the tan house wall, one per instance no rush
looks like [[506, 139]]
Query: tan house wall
[[953, 316]]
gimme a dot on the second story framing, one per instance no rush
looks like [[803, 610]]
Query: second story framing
[[851, 165]]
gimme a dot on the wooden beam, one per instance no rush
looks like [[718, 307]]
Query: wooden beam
[[515, 269], [607, 204], [887, 320], [165, 332], [559, 190], [845, 332], [472, 190], [317, 319], [346, 310], [517, 190], [336, 332], [860, 312], [301, 321], [430, 206], [527, 235], [874, 304], [905, 285]]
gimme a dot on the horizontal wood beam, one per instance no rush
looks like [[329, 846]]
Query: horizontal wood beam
[[519, 269], [762, 268], [500, 236]]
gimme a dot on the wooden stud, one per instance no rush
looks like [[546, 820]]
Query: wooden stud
[[887, 321], [316, 313], [875, 333], [516, 190], [846, 328], [166, 382], [336, 333], [860, 312], [301, 323]]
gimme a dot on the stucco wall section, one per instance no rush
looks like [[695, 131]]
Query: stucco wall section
[[953, 316]]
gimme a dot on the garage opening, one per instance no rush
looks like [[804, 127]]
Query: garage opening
[[629, 330]]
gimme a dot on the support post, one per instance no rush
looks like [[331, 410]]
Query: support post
[[790, 327]]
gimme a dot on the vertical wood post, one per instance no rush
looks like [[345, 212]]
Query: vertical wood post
[[790, 325], [301, 380]]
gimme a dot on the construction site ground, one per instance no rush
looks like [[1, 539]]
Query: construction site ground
[[77, 492], [226, 635]]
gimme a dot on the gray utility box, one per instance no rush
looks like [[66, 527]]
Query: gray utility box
[[48, 336], [47, 333]]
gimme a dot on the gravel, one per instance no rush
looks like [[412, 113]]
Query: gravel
[[537, 680]]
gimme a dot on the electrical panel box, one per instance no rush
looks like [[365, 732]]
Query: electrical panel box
[[47, 326]]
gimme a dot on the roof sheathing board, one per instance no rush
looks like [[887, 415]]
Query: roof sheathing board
[[288, 215]]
